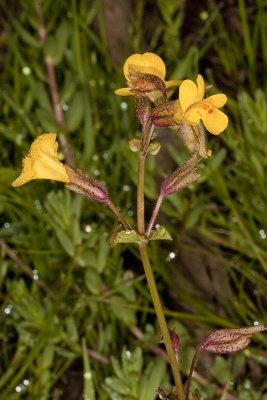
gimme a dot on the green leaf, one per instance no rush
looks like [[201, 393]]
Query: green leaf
[[75, 113], [65, 242], [160, 234], [135, 144], [221, 369], [47, 120], [6, 176], [125, 236], [152, 378], [55, 45], [102, 253], [47, 356], [154, 148], [93, 281], [72, 331], [194, 215], [26, 36], [89, 390], [122, 311]]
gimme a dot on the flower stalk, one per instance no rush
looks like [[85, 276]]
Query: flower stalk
[[118, 214], [150, 277], [154, 215], [193, 364], [162, 321]]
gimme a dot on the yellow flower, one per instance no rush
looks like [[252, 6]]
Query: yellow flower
[[147, 63], [194, 108], [42, 162]]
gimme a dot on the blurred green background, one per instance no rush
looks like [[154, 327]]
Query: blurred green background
[[76, 316]]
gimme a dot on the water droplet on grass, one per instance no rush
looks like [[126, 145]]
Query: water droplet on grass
[[124, 105], [35, 274], [26, 71], [128, 354], [87, 375], [204, 15], [88, 228]]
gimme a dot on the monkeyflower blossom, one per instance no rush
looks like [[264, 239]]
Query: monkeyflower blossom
[[145, 73], [195, 108], [192, 107], [42, 162]]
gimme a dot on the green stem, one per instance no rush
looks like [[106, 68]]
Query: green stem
[[151, 281], [162, 321], [140, 194]]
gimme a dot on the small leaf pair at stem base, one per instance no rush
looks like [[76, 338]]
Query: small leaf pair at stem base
[[120, 235], [135, 145]]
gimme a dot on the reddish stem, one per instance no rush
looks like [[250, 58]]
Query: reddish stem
[[154, 215], [28, 271], [52, 81], [187, 388], [118, 214]]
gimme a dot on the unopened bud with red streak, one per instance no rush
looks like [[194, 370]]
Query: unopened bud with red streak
[[230, 340], [175, 341], [181, 177], [86, 186], [145, 83], [167, 114]]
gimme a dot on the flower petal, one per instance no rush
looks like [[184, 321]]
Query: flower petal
[[217, 100], [147, 63], [215, 122], [123, 92], [42, 162], [26, 175], [200, 88], [187, 94], [45, 143], [193, 116]]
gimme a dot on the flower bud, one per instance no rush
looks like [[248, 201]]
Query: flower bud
[[86, 186], [230, 340], [167, 114], [175, 342], [181, 177], [146, 83]]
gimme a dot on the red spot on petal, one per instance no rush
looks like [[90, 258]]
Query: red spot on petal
[[210, 111]]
